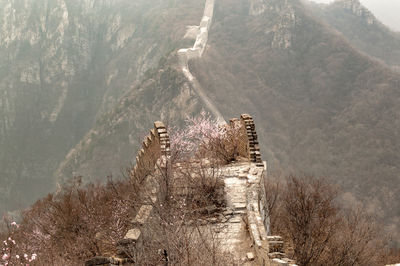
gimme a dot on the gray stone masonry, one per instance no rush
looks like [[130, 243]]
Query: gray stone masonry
[[244, 227]]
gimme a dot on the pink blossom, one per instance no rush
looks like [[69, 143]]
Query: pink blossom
[[15, 224], [200, 130], [5, 257], [33, 257]]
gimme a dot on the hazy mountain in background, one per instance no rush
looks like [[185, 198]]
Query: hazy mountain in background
[[63, 64], [385, 10], [322, 103], [361, 28]]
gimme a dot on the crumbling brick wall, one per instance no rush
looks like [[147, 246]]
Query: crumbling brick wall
[[155, 151], [153, 155], [155, 145]]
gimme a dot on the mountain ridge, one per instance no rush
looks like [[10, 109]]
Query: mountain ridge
[[362, 29]]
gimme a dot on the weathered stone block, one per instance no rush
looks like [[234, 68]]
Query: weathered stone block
[[132, 235], [161, 131], [279, 262], [250, 256], [142, 216], [159, 124]]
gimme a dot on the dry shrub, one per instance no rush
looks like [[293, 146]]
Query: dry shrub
[[82, 221], [318, 230], [199, 183], [79, 222], [229, 145], [174, 236], [394, 256]]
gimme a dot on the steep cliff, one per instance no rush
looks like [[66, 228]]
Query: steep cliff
[[65, 63]]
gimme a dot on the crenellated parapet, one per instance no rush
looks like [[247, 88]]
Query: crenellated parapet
[[155, 145], [150, 161], [269, 249], [252, 139], [247, 142]]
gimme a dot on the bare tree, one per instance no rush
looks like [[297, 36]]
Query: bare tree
[[320, 231]]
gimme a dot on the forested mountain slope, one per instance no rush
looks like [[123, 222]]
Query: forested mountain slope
[[362, 29]]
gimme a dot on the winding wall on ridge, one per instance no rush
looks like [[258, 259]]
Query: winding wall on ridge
[[200, 33]]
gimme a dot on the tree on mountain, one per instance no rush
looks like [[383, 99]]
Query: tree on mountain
[[319, 230]]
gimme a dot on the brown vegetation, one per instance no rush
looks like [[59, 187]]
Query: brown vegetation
[[83, 221], [79, 222], [319, 230], [174, 234]]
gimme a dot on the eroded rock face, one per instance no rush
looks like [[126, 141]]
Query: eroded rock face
[[283, 18], [64, 64], [358, 9], [49, 44], [47, 47], [257, 7], [283, 31]]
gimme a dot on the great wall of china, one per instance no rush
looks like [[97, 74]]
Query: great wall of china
[[246, 230], [245, 227], [200, 34]]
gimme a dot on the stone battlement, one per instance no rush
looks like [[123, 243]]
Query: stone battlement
[[155, 145], [247, 229]]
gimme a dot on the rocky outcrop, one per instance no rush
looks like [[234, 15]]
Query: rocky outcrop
[[357, 9], [65, 65], [257, 7], [283, 18]]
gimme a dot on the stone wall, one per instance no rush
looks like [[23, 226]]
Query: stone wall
[[153, 157], [247, 144], [252, 140], [268, 249], [201, 35], [150, 159], [155, 145], [257, 229]]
